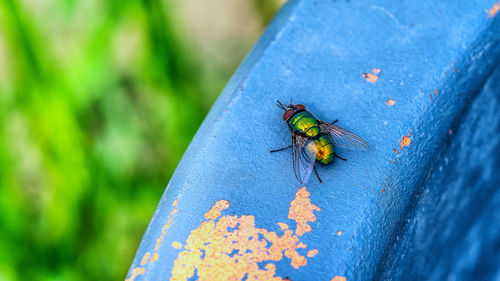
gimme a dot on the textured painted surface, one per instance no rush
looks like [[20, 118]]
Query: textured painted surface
[[453, 233], [232, 247], [432, 57]]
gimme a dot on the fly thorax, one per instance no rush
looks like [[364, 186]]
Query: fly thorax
[[305, 123]]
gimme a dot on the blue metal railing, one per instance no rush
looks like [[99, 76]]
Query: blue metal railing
[[403, 76]]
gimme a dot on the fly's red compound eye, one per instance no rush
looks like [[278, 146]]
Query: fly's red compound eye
[[300, 106], [288, 114]]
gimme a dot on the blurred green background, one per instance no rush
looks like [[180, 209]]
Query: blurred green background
[[98, 101]]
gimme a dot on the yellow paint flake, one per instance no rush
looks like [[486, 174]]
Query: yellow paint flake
[[216, 209], [155, 257], [145, 258], [232, 247], [375, 70], [312, 253], [176, 245], [136, 272], [301, 211], [494, 10], [405, 142], [339, 232], [283, 226], [167, 225], [338, 278], [370, 77]]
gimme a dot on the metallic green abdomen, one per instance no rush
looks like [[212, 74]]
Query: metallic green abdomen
[[324, 149], [305, 123]]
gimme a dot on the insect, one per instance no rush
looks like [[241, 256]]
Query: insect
[[314, 140]]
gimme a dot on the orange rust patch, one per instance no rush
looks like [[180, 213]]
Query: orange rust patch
[[176, 245], [155, 257], [301, 211], [283, 226], [396, 151], [145, 258], [375, 70], [339, 232], [312, 253], [494, 10], [370, 77], [391, 102], [232, 247], [136, 272], [167, 225], [405, 142], [338, 278], [216, 210], [383, 190]]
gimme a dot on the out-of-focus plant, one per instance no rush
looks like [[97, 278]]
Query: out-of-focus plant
[[98, 101]]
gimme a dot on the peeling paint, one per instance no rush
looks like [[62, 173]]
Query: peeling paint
[[436, 91], [312, 253], [217, 209], [167, 225], [396, 151], [494, 10], [155, 257], [391, 102], [405, 142], [176, 245], [145, 258], [339, 232], [338, 278], [301, 211], [136, 272], [283, 226], [232, 247], [370, 77]]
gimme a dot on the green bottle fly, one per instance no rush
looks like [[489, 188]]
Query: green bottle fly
[[314, 140]]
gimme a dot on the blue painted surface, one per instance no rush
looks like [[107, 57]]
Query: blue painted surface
[[453, 233], [315, 52]]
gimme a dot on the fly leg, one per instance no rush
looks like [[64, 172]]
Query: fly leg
[[336, 120], [316, 172], [336, 155], [281, 149]]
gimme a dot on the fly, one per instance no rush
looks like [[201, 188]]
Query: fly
[[314, 140]]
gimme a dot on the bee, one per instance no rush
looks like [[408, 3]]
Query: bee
[[314, 140]]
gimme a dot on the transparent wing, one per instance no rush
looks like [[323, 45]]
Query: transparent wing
[[304, 155], [342, 137]]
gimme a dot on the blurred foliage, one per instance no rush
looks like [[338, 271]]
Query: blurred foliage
[[98, 101]]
